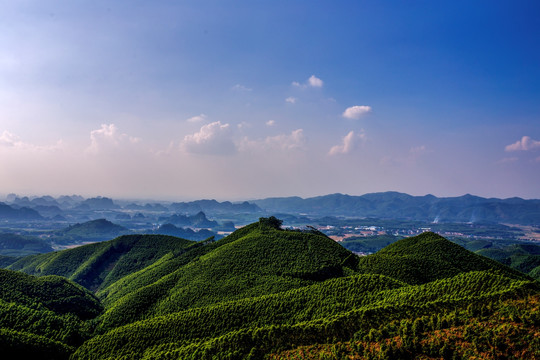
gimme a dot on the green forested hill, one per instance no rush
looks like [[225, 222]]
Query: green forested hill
[[43, 317], [97, 265], [51, 292], [263, 292], [523, 257], [428, 257], [337, 309], [254, 261]]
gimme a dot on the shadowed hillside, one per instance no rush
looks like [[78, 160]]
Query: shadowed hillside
[[100, 264], [43, 317]]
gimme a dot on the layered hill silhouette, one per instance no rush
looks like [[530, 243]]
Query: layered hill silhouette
[[198, 220], [18, 214], [94, 230], [395, 205], [265, 292]]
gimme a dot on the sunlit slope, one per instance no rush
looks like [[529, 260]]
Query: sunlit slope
[[167, 265], [502, 329], [319, 313], [97, 265], [259, 293], [428, 257], [257, 260]]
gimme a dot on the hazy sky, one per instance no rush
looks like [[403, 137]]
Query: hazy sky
[[247, 99]]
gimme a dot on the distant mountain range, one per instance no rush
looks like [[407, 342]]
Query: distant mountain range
[[198, 220], [213, 206], [395, 205], [384, 205], [10, 213]]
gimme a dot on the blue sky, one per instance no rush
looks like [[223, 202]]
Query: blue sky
[[248, 99]]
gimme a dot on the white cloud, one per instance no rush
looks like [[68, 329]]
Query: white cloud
[[12, 141], [214, 138], [356, 112], [107, 138], [241, 88], [313, 81], [347, 145], [270, 123], [293, 141], [291, 100], [525, 144], [286, 142], [197, 118]]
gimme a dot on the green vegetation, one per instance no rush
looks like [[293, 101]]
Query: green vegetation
[[503, 329], [43, 316], [97, 265], [54, 293], [427, 257], [261, 259], [523, 257], [268, 293], [5, 261]]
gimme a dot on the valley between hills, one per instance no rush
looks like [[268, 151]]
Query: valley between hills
[[265, 292]]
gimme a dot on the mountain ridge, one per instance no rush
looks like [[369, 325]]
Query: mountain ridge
[[396, 205]]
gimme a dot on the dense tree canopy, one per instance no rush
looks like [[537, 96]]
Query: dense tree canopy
[[266, 292]]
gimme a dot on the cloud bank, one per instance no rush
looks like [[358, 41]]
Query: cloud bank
[[347, 145], [212, 139], [107, 138]]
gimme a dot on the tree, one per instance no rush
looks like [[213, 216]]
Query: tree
[[271, 221]]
